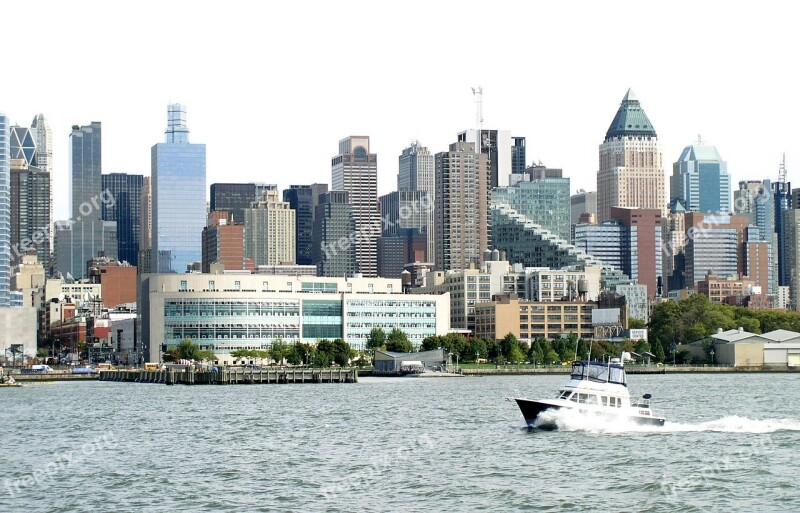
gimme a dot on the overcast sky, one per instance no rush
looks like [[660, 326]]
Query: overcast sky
[[271, 87]]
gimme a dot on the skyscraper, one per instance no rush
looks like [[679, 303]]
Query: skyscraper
[[126, 190], [303, 199], [334, 224], [700, 180], [462, 207], [498, 147], [782, 197], [178, 181], [417, 172], [5, 212], [715, 243], [518, 155], [631, 170], [355, 170], [234, 198], [145, 227], [269, 231], [81, 238], [30, 213], [754, 199]]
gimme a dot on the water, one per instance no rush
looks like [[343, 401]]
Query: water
[[730, 444]]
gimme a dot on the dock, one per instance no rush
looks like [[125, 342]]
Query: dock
[[231, 376]]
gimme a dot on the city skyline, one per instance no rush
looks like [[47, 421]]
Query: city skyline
[[751, 130]]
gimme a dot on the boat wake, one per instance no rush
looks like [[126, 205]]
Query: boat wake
[[571, 420]]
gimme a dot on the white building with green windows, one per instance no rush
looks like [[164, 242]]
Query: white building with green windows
[[225, 312]]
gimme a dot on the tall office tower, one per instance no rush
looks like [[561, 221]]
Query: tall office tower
[[631, 170], [125, 210], [582, 202], [30, 213], [672, 255], [5, 212], [355, 170], [43, 137], [544, 200], [405, 209], [405, 246], [178, 171], [334, 225], [234, 198], [782, 197], [498, 148], [700, 180], [518, 155], [715, 243], [303, 199], [754, 199], [30, 199], [269, 231], [630, 241], [223, 243], [791, 250], [462, 207], [145, 227], [417, 172], [82, 237]]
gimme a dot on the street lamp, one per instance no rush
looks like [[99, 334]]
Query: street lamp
[[476, 359], [674, 352], [712, 356]]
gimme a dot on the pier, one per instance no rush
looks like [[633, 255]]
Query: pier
[[231, 376]]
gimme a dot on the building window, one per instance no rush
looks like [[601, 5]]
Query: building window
[[183, 286], [212, 286], [237, 285]]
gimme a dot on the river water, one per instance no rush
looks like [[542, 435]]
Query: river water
[[446, 444]]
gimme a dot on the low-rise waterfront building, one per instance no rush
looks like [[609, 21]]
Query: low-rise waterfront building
[[225, 312], [528, 320]]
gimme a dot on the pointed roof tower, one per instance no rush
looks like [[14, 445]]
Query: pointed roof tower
[[630, 119]]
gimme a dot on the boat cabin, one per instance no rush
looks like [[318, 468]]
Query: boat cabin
[[599, 372]]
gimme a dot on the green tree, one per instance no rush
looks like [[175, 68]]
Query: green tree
[[188, 350], [642, 347], [636, 324], [279, 350], [658, 350], [321, 360], [342, 353], [206, 355], [515, 355], [376, 339], [474, 348], [397, 341], [430, 343], [241, 354], [509, 343]]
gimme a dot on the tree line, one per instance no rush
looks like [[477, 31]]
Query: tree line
[[697, 318]]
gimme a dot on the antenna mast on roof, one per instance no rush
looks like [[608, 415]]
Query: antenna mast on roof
[[479, 114], [782, 170]]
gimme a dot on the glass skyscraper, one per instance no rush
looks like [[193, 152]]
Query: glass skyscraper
[[126, 211], [178, 174], [545, 201], [81, 238], [5, 212], [303, 199], [700, 180]]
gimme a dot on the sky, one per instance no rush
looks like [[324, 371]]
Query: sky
[[271, 87]]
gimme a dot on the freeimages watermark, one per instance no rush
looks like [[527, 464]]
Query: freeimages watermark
[[42, 233], [744, 203], [408, 211], [729, 461], [359, 480], [61, 463]]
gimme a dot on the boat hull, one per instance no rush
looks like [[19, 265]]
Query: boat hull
[[532, 409]]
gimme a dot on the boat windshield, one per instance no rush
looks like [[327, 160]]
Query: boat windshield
[[599, 372]]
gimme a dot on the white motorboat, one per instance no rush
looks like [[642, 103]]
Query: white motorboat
[[593, 388]]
